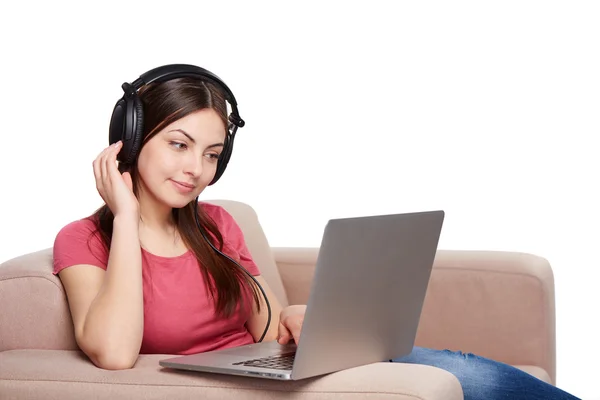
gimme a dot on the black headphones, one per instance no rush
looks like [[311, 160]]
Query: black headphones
[[127, 120]]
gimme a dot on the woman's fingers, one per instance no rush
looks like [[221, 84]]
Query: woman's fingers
[[283, 335], [111, 162], [97, 164], [105, 173], [128, 180], [290, 329]]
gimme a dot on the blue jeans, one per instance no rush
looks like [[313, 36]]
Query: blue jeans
[[482, 378]]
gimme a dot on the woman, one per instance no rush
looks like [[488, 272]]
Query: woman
[[142, 275]]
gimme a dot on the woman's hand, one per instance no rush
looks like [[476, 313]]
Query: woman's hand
[[115, 189], [290, 324]]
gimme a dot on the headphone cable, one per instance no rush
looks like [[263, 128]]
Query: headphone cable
[[236, 263]]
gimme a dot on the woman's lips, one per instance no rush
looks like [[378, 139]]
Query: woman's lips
[[183, 187]]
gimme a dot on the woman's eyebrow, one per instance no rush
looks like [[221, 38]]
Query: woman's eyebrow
[[194, 141], [185, 133]]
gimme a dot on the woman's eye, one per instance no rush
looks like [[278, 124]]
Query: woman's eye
[[213, 156], [178, 146]]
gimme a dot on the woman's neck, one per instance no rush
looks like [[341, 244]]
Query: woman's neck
[[155, 215]]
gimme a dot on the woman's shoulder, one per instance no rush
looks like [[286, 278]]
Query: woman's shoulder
[[225, 222], [79, 242], [78, 233], [218, 213], [84, 225]]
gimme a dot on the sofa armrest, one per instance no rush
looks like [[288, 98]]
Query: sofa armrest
[[35, 313], [494, 304]]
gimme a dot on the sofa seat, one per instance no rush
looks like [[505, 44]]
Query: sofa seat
[[68, 374]]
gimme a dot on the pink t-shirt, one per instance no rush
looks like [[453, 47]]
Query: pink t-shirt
[[179, 316]]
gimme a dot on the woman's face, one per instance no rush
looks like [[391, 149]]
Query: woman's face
[[177, 163]]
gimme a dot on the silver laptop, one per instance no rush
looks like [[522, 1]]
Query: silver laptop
[[364, 305]]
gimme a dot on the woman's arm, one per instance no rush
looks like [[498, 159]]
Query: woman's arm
[[258, 321], [107, 306], [286, 323]]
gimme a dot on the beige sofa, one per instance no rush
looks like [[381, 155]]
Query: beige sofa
[[495, 304]]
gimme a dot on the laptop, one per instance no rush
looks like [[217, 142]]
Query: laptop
[[364, 305]]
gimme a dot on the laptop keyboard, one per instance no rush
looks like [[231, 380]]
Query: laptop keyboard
[[280, 361]]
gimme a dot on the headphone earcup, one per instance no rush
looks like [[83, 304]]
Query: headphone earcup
[[224, 158], [137, 130], [117, 122], [127, 125]]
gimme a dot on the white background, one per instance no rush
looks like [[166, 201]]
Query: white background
[[487, 110]]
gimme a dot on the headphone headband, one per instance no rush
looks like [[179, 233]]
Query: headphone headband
[[174, 71], [127, 120]]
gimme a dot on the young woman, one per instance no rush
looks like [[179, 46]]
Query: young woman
[[142, 275]]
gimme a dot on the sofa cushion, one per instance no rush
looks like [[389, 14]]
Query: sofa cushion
[[496, 304], [68, 374]]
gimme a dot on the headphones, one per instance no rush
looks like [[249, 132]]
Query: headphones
[[127, 120]]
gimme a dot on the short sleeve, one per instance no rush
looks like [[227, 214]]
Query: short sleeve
[[79, 243], [232, 236]]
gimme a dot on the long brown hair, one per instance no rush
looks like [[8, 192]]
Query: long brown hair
[[163, 104]]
